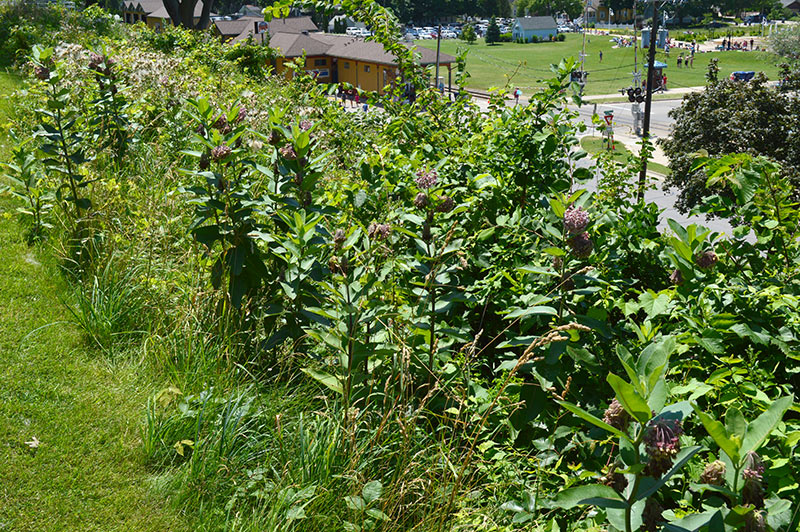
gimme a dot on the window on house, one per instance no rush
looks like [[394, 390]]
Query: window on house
[[320, 62], [345, 64], [366, 68]]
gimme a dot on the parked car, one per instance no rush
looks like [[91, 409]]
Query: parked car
[[742, 75]]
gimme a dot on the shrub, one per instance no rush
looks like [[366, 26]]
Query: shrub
[[561, 37]]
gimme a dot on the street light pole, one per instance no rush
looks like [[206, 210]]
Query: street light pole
[[648, 99], [438, 46]]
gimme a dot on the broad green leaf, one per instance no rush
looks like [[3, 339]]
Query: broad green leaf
[[354, 502], [377, 514], [653, 304], [630, 399], [759, 429], [295, 512], [683, 457], [658, 396], [720, 436], [372, 491], [324, 378], [735, 424], [694, 522], [586, 416], [594, 494]]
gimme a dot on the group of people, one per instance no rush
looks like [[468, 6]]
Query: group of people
[[356, 97], [730, 44], [688, 61]]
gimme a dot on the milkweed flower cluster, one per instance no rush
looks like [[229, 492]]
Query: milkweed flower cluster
[[447, 204], [305, 125], [220, 152], [100, 63], [241, 115], [287, 152], [421, 201], [575, 220], [426, 178], [41, 72], [753, 474], [379, 231], [661, 443], [581, 245], [714, 473], [616, 416], [222, 125], [707, 260], [338, 238]]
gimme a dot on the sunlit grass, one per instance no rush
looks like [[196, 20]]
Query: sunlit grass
[[496, 64]]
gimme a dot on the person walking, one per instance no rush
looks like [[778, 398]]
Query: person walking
[[601, 56], [517, 94], [680, 60]]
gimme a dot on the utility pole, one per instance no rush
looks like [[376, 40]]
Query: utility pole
[[648, 99], [438, 46]]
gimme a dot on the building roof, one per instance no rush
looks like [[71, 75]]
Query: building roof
[[291, 25], [232, 28], [349, 47], [790, 4], [241, 28], [536, 23]]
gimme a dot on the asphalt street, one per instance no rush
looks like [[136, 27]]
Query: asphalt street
[[660, 127], [660, 122]]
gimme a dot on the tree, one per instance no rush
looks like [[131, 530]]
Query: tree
[[503, 8], [730, 117], [468, 34], [786, 43], [182, 13], [492, 32]]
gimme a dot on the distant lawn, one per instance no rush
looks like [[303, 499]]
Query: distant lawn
[[594, 144], [489, 66]]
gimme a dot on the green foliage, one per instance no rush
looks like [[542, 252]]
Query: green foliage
[[29, 184], [468, 34], [254, 59], [62, 143], [492, 32], [729, 117], [361, 320]]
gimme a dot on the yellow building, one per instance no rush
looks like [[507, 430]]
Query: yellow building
[[152, 12], [331, 58], [605, 15]]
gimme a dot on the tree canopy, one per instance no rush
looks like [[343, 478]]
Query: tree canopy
[[182, 13]]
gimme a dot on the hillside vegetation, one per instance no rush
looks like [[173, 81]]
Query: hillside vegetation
[[269, 313]]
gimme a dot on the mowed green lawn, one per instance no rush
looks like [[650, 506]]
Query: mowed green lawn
[[492, 66]]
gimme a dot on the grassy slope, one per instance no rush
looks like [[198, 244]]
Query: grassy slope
[[86, 411], [594, 145], [489, 65]]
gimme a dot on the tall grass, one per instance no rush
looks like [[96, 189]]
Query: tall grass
[[110, 305]]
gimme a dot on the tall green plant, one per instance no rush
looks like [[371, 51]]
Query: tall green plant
[[62, 139]]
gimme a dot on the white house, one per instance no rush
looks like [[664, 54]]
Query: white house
[[526, 28]]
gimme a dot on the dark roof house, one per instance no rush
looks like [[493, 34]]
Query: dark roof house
[[241, 28]]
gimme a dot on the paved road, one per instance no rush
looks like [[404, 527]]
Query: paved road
[[660, 122]]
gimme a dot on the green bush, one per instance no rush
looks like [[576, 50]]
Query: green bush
[[23, 25], [561, 37]]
